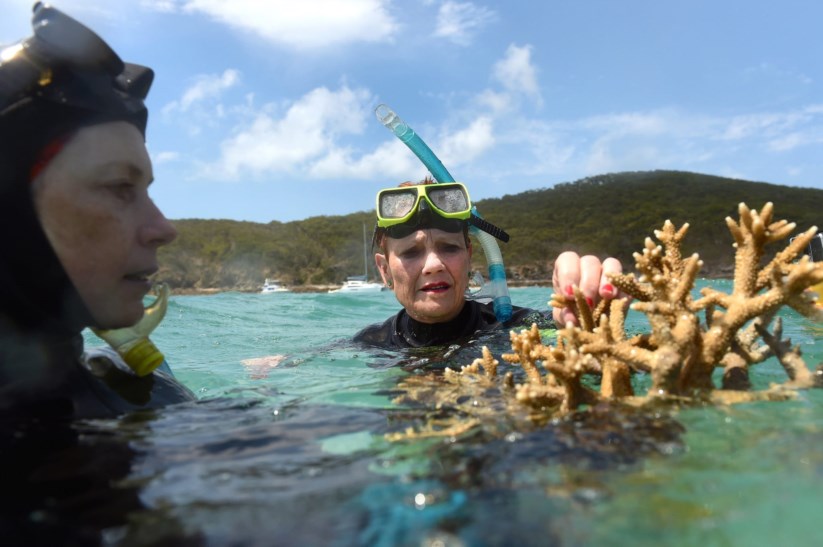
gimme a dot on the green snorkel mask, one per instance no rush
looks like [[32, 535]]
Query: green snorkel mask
[[403, 210]]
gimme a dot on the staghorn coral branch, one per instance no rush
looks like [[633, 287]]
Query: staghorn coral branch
[[734, 228], [784, 258], [584, 312], [634, 356], [712, 298], [523, 346], [691, 267], [671, 238], [631, 286], [617, 319], [789, 357], [780, 230], [679, 353]]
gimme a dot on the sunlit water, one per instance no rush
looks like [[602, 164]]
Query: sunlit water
[[296, 455]]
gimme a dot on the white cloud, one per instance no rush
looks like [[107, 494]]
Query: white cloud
[[307, 132], [599, 158], [664, 138], [795, 140], [163, 6], [516, 73], [788, 142], [304, 24], [392, 162], [669, 138], [494, 102], [460, 21], [749, 125], [771, 72], [165, 157], [469, 143], [206, 86], [771, 124], [633, 123]]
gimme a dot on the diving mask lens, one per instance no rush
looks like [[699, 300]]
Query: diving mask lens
[[453, 200], [397, 205]]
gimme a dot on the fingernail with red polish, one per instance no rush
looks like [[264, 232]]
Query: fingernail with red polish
[[569, 291], [608, 288], [590, 302]]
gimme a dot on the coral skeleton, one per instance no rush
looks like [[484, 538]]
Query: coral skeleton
[[680, 354]]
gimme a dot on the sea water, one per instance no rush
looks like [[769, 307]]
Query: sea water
[[291, 449]]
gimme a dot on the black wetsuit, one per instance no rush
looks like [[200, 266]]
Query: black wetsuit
[[401, 331], [61, 478]]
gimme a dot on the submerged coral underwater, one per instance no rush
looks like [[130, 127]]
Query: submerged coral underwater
[[593, 364]]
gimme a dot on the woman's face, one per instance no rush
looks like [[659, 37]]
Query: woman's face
[[429, 272], [93, 203]]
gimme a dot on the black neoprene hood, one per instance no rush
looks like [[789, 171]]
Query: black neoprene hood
[[60, 79]]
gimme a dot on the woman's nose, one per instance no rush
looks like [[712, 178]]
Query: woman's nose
[[433, 263], [157, 230]]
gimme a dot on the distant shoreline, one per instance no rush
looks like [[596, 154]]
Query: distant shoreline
[[512, 283], [315, 288]]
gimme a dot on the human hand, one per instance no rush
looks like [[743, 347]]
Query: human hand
[[259, 367], [589, 275]]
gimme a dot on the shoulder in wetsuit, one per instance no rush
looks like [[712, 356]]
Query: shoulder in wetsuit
[[50, 376], [401, 331]]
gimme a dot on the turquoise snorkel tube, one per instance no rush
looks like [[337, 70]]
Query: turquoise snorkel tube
[[497, 273]]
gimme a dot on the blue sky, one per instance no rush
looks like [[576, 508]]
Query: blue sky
[[263, 110]]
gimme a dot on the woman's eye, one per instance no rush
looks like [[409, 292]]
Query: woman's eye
[[409, 253], [124, 191], [450, 248]]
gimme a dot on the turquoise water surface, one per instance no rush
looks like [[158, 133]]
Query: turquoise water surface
[[295, 454]]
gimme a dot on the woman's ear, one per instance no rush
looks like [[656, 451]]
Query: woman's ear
[[382, 264]]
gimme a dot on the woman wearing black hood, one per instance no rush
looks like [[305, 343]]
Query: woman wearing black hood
[[81, 232], [80, 242]]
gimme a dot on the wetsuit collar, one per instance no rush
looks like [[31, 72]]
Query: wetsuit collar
[[418, 334]]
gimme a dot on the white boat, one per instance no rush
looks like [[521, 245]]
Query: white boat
[[272, 285], [361, 283]]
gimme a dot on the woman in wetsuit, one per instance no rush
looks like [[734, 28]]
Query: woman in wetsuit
[[80, 231], [425, 258]]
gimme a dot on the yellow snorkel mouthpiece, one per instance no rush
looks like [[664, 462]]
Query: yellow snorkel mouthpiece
[[133, 344]]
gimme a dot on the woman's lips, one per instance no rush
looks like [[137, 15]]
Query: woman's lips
[[436, 287], [140, 276]]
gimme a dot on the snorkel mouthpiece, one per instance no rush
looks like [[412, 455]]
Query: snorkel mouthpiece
[[393, 122], [406, 134]]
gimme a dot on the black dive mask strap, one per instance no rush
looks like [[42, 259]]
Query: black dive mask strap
[[489, 228]]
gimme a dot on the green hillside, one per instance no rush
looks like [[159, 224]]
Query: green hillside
[[604, 215]]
